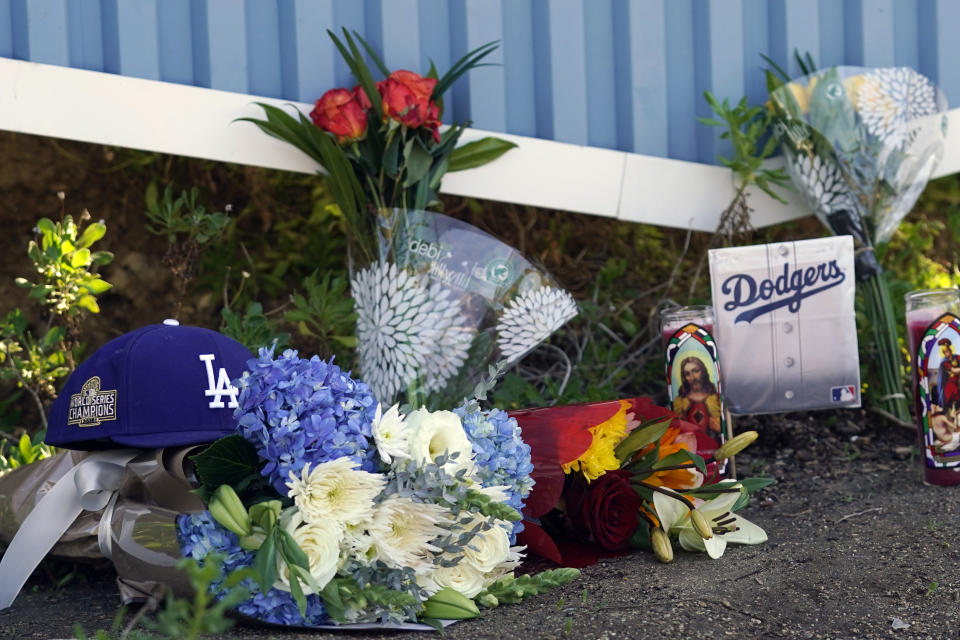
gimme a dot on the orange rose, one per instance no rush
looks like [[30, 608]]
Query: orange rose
[[406, 99], [340, 113]]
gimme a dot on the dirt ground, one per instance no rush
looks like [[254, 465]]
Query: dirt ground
[[859, 547]]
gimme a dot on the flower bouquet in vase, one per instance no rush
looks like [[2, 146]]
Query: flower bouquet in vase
[[860, 145], [437, 299]]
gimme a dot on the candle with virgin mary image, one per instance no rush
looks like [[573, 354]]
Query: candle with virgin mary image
[[693, 378]]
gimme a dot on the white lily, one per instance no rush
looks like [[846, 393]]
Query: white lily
[[727, 526]]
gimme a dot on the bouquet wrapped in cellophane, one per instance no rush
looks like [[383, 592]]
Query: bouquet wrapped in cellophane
[[437, 299], [442, 302], [860, 145]]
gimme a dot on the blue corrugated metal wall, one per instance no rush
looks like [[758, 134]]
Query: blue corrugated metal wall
[[622, 74]]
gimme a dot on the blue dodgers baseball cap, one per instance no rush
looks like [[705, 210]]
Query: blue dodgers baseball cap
[[164, 385]]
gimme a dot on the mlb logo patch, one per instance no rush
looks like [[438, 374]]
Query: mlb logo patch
[[843, 394]]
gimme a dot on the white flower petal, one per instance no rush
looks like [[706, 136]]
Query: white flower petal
[[746, 533], [670, 511], [530, 318]]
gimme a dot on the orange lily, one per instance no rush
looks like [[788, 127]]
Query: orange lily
[[677, 479]]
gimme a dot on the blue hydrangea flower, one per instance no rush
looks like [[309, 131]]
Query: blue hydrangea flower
[[199, 535], [298, 411], [278, 607], [502, 457]]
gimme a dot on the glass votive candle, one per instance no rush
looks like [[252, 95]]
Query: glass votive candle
[[933, 333], [693, 377]]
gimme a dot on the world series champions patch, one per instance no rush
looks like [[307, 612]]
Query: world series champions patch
[[92, 405]]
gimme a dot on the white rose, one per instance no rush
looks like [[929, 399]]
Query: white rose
[[391, 434], [462, 577], [487, 549], [433, 433], [335, 490], [320, 541]]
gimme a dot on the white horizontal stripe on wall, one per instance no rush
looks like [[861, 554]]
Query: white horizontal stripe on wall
[[196, 122]]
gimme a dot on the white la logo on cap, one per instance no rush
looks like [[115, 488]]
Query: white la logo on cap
[[221, 387]]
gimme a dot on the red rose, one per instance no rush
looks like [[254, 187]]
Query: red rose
[[406, 99], [338, 112], [605, 509], [361, 97]]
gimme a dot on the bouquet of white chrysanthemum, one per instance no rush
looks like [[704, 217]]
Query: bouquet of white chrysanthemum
[[349, 514]]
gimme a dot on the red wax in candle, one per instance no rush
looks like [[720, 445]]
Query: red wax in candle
[[917, 324]]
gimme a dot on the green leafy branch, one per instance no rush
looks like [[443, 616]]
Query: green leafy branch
[[68, 287], [748, 130], [188, 227], [746, 127], [511, 590], [324, 312]]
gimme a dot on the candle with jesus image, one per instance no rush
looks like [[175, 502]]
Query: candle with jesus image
[[693, 377], [933, 330]]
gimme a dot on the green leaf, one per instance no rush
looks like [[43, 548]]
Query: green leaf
[[265, 563], [391, 156], [291, 551], [478, 153], [640, 437], [297, 592], [95, 285], [281, 125], [89, 303], [641, 537], [101, 257], [754, 483], [432, 622], [461, 66], [359, 69], [46, 226], [776, 67], [333, 602], [80, 258], [227, 461], [680, 457], [418, 162], [373, 56], [24, 445], [91, 234], [33, 251]]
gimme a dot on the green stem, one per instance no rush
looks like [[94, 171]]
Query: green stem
[[649, 470], [667, 492], [892, 397]]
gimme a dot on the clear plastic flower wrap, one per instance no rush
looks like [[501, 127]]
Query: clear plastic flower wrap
[[442, 301], [860, 145]]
